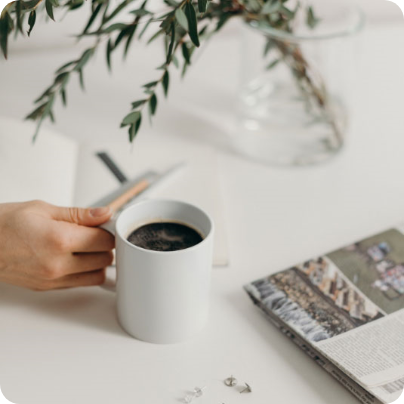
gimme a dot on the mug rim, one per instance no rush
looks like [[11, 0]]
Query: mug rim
[[136, 204]]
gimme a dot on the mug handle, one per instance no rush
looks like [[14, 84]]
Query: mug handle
[[110, 225], [110, 282]]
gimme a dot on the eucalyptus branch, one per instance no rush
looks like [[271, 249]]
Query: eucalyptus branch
[[312, 90], [47, 99], [134, 118], [183, 26]]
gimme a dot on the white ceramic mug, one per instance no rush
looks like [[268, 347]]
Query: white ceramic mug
[[162, 296]]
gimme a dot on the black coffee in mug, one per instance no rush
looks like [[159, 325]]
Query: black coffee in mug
[[165, 236]]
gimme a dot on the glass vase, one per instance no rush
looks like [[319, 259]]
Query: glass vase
[[293, 106]]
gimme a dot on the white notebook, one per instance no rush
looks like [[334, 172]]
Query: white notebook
[[61, 171]]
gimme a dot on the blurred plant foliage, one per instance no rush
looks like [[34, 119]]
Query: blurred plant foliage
[[182, 25]]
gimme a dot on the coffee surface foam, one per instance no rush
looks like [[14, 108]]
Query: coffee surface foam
[[165, 236]]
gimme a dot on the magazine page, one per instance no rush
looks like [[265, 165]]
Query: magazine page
[[372, 354], [349, 304], [358, 391]]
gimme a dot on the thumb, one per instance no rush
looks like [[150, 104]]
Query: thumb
[[83, 217]]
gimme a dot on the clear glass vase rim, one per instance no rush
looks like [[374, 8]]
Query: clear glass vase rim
[[276, 33]]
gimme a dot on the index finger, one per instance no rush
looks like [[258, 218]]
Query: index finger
[[89, 239]]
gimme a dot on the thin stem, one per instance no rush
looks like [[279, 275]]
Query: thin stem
[[293, 57], [167, 65]]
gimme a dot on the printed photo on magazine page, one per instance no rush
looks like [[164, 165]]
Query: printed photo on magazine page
[[349, 304]]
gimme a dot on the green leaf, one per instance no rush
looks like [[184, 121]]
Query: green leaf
[[129, 40], [151, 84], [271, 6], [192, 23], [184, 70], [181, 19], [131, 118], [145, 28], [272, 64], [75, 4], [120, 36], [92, 18], [156, 35], [268, 46], [38, 127], [104, 14], [81, 79], [171, 46], [202, 6], [61, 77], [85, 57], [64, 98], [109, 50], [166, 23], [288, 13], [222, 20], [141, 12], [65, 66], [36, 113], [31, 21], [19, 17], [153, 104], [45, 94], [185, 53], [166, 82], [114, 27], [116, 11], [175, 61], [171, 3], [40, 114], [49, 9], [6, 27], [52, 118], [312, 20], [65, 80], [137, 124], [134, 128], [131, 131], [30, 4], [203, 31], [136, 104]]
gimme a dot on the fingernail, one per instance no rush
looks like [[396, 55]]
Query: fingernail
[[99, 212]]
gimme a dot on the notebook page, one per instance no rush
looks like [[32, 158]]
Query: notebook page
[[43, 170]]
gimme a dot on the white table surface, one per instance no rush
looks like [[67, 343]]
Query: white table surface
[[67, 347]]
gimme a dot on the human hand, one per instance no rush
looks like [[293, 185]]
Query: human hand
[[45, 247]]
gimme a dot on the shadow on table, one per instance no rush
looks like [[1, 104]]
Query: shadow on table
[[197, 122], [87, 307], [313, 375]]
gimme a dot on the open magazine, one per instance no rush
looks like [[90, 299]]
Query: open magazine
[[346, 311]]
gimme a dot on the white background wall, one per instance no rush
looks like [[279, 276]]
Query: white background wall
[[380, 11]]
